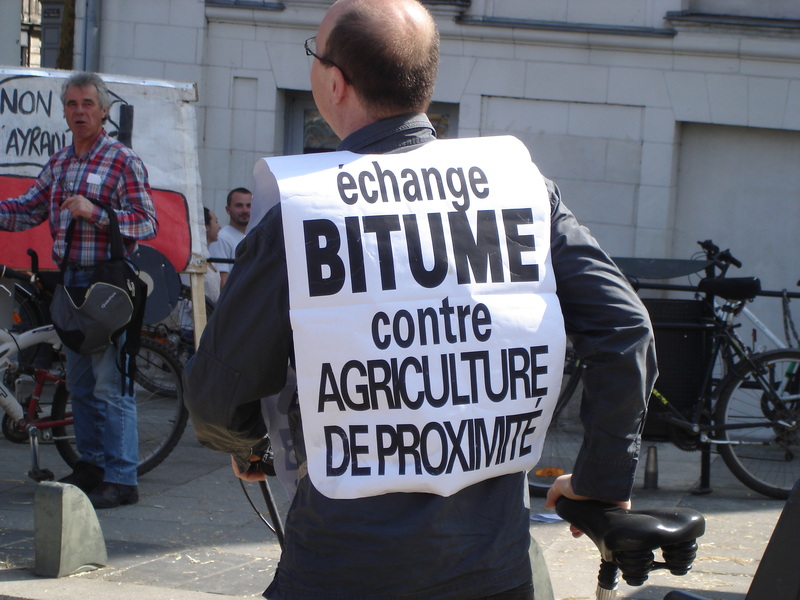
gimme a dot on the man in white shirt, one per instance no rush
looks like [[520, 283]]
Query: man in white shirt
[[238, 208]]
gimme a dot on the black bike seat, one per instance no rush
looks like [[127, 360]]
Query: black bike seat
[[616, 529], [731, 288]]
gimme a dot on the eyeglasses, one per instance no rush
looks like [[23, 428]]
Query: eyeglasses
[[311, 50]]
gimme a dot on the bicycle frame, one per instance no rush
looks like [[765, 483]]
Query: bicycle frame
[[759, 324], [763, 328], [729, 347], [10, 345], [161, 415], [743, 403]]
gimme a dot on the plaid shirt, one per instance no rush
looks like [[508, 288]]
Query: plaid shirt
[[111, 174]]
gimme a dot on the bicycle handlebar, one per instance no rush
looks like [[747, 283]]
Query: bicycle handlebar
[[34, 260], [723, 258], [31, 277], [9, 272]]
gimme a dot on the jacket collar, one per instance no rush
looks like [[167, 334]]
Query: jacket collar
[[395, 134]]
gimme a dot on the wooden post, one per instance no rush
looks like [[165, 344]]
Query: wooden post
[[196, 269], [198, 306]]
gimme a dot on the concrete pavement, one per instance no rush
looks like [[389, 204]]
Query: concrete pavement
[[193, 536]]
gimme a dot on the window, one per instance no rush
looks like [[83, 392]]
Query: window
[[444, 118], [770, 9], [306, 131]]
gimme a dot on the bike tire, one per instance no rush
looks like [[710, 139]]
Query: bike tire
[[160, 413], [765, 458], [564, 434]]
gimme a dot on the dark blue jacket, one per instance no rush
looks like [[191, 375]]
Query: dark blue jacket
[[419, 546]]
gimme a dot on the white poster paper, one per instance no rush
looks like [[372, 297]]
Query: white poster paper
[[428, 337]]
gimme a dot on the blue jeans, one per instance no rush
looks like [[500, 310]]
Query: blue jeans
[[105, 417]]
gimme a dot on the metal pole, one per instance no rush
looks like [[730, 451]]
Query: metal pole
[[91, 36], [273, 511]]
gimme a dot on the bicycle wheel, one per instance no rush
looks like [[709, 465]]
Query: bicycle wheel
[[161, 416], [176, 331], [564, 434], [761, 406]]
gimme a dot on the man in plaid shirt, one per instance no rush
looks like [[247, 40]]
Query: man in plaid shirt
[[99, 168]]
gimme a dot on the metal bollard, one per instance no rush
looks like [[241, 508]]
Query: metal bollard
[[651, 469]]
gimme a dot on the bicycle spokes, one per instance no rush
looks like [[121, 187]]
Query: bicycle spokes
[[758, 417]]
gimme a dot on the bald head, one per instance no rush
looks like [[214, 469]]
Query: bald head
[[389, 51]]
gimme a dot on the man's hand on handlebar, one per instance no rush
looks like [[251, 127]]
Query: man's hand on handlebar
[[254, 473], [562, 486]]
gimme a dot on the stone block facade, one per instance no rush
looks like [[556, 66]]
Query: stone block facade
[[604, 94]]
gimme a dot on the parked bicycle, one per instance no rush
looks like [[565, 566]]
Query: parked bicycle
[[36, 402], [747, 407], [176, 331]]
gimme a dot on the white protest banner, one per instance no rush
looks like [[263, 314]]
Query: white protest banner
[[32, 129], [428, 338]]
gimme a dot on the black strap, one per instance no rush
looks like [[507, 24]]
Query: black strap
[[127, 357], [117, 248]]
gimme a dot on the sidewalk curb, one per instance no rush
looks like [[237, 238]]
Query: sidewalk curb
[[20, 584]]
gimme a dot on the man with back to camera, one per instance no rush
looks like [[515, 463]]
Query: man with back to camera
[[237, 205], [99, 168], [412, 536]]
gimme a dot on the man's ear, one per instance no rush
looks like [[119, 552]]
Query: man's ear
[[339, 87]]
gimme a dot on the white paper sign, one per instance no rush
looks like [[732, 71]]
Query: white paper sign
[[33, 128], [428, 337]]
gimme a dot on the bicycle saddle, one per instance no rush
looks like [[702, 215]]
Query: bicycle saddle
[[731, 288], [627, 538]]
